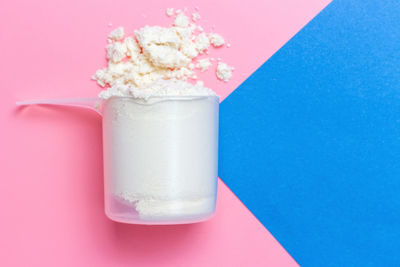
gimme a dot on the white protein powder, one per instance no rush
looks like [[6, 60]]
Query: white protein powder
[[159, 88], [216, 39], [161, 157], [203, 64], [117, 34], [224, 72], [155, 53], [169, 12]]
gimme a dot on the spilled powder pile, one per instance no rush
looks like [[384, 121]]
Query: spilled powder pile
[[137, 63]]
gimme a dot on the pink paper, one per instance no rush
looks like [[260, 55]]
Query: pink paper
[[51, 188]]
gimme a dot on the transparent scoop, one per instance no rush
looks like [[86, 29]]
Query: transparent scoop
[[148, 144], [96, 104], [92, 103]]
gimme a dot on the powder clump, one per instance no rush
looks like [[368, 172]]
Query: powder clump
[[224, 72], [155, 55], [216, 39]]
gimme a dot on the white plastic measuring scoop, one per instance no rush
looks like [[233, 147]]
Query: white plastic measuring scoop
[[93, 103], [160, 156]]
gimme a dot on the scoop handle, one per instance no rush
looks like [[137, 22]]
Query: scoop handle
[[93, 103]]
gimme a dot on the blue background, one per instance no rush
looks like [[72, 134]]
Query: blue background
[[310, 142]]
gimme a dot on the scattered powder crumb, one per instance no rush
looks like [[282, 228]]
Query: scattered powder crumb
[[194, 77], [192, 27], [117, 34], [178, 11], [224, 72], [110, 24], [216, 39], [170, 12], [202, 42], [195, 16], [203, 64], [181, 20], [219, 59], [228, 45]]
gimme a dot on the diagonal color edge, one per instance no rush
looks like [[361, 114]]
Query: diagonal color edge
[[309, 142]]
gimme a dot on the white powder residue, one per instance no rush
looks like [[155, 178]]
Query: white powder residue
[[152, 209], [170, 12], [202, 42], [117, 34], [181, 21], [203, 64], [195, 16], [224, 72], [216, 39]]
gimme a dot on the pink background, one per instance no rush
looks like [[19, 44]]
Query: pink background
[[51, 188]]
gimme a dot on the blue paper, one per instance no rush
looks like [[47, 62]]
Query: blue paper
[[311, 141]]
